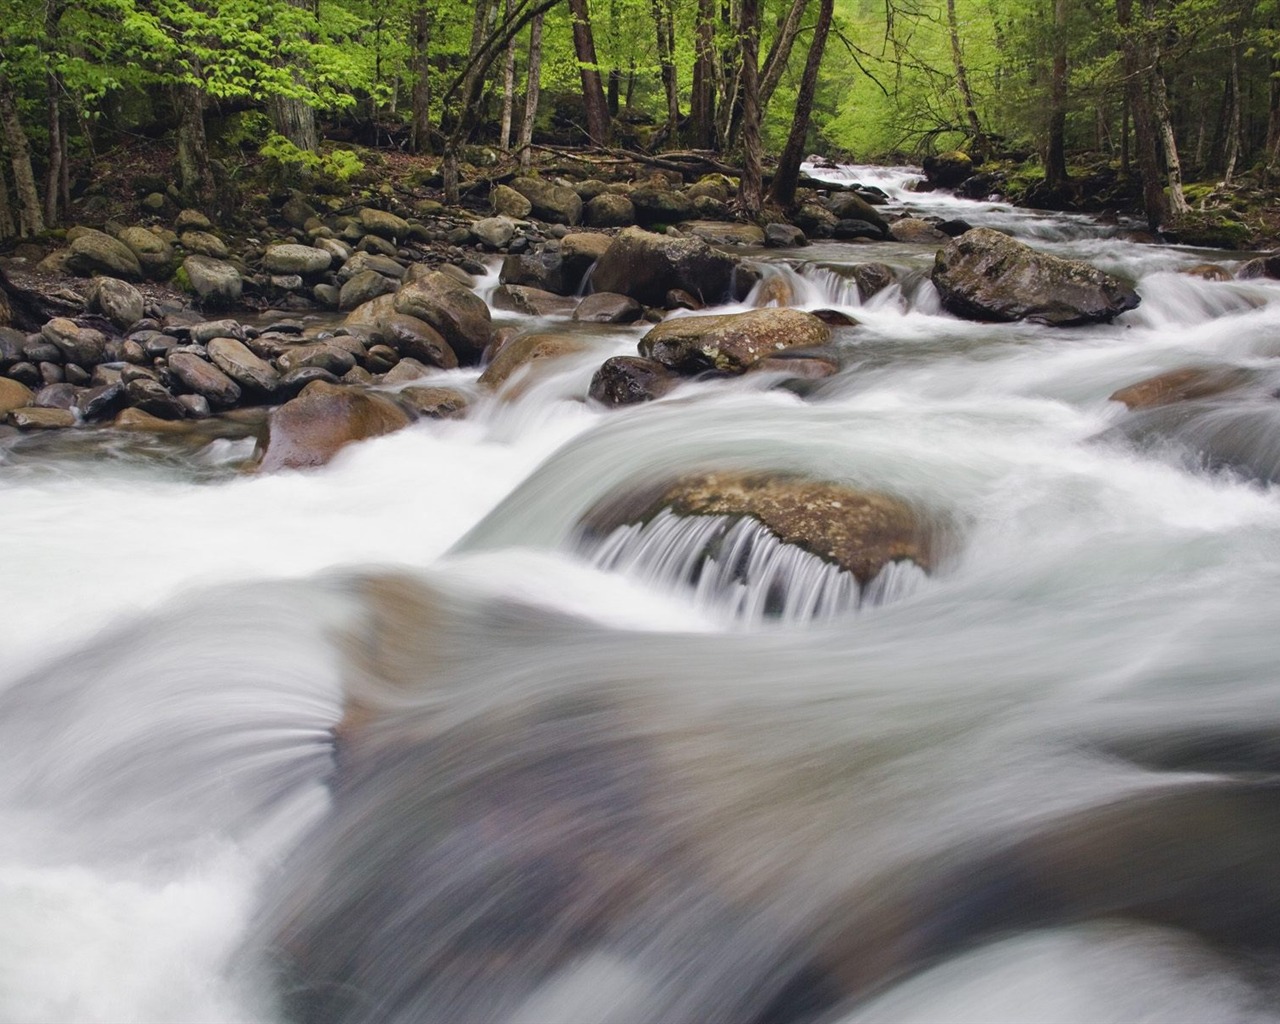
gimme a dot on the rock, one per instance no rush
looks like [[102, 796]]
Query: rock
[[296, 211], [95, 252], [556, 204], [119, 301], [81, 345], [154, 254], [205, 244], [358, 263], [191, 220], [986, 275], [661, 206], [706, 208], [291, 258], [917, 231], [1208, 272], [784, 236], [1183, 385], [608, 308], [25, 373], [363, 287], [494, 232], [532, 301], [724, 234], [458, 313], [609, 210], [859, 531], [731, 342], [850, 230], [101, 402], [646, 266], [816, 221], [381, 358], [56, 396], [286, 282], [627, 380], [774, 290], [812, 365], [138, 419], [716, 186], [383, 224], [325, 356], [527, 349], [310, 429], [543, 269], [851, 206], [434, 403], [216, 283], [205, 379], [51, 373], [406, 370], [1261, 266], [580, 251], [871, 278], [412, 338], [946, 170], [340, 251], [954, 228], [678, 298], [507, 202], [32, 418], [153, 397], [13, 395]]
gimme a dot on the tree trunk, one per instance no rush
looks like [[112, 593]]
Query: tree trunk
[[979, 138], [1163, 123], [292, 117], [662, 18], [750, 188], [1055, 165], [193, 148], [775, 62], [1233, 118], [533, 88], [703, 99], [8, 227], [508, 89], [783, 189], [584, 46], [420, 115], [57, 148], [1146, 146], [30, 216]]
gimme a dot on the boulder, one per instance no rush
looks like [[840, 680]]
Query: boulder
[[310, 429], [608, 308], [1183, 385], [364, 286], [33, 418], [406, 370], [646, 266], [383, 224], [191, 220], [507, 202], [917, 232], [660, 205], [580, 251], [119, 301], [205, 379], [83, 346], [320, 354], [56, 396], [13, 395], [95, 252], [532, 301], [296, 211], [816, 221], [609, 210], [153, 397], [526, 349], [851, 206], [851, 230], [543, 269], [494, 232], [556, 204], [986, 275], [858, 531], [358, 263], [718, 233], [714, 186], [434, 403], [216, 283], [154, 254], [101, 402], [731, 342], [947, 170], [784, 236], [455, 311], [234, 359], [290, 258], [627, 380], [412, 338], [205, 243], [871, 278]]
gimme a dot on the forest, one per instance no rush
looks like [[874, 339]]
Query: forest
[[1170, 103]]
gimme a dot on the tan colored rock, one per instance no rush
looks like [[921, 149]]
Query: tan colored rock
[[1183, 385], [14, 396], [527, 349], [731, 342], [315, 426]]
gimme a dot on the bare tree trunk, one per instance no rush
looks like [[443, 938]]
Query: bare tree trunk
[[193, 148], [533, 88], [1233, 119], [663, 18], [783, 189], [30, 216], [703, 100], [775, 62], [979, 137], [420, 116], [292, 117], [57, 148], [1055, 167], [1163, 123], [584, 46], [750, 188], [508, 89], [8, 227], [1145, 143]]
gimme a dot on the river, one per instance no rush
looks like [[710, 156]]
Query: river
[[1035, 785]]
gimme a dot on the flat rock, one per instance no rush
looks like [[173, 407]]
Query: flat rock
[[33, 418], [532, 301], [731, 342], [291, 258]]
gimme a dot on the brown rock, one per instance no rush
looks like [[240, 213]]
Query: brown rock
[[435, 403], [32, 418], [1183, 385], [14, 396], [312, 428], [731, 342], [526, 349]]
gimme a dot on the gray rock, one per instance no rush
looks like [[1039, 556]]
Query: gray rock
[[81, 345], [56, 396], [101, 402], [119, 301], [731, 342], [153, 397], [609, 210], [646, 266], [191, 220], [532, 301], [154, 254], [291, 258], [556, 204], [203, 333], [95, 252], [784, 236], [661, 206], [216, 283], [915, 230], [205, 244], [507, 202], [364, 286], [361, 261], [627, 380], [608, 308], [718, 233], [383, 224], [851, 206], [205, 379], [494, 232]]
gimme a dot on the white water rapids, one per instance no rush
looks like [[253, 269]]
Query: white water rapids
[[1034, 786]]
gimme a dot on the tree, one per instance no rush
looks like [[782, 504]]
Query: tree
[[783, 189], [750, 184], [597, 110]]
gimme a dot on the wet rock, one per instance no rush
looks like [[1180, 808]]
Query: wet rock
[[13, 395], [494, 232], [646, 266], [816, 221], [363, 287], [51, 373], [556, 204], [774, 290], [608, 308], [95, 252], [580, 252], [1261, 266], [628, 380], [811, 365], [456, 312], [203, 333], [609, 210], [871, 278], [986, 275], [56, 396], [11, 341], [532, 301], [435, 403], [205, 379], [141, 420], [544, 270], [328, 357], [731, 342], [197, 407], [917, 232], [32, 418], [290, 258], [414, 339], [851, 206], [406, 370], [310, 429], [101, 402], [859, 531], [947, 170], [527, 349], [82, 345], [784, 236], [507, 202], [1208, 272], [1185, 384], [718, 233], [678, 298], [25, 373], [153, 397], [954, 228], [216, 283], [383, 224], [293, 382], [119, 301], [381, 358]]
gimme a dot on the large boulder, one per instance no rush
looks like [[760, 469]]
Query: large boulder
[[947, 170], [312, 428], [647, 266], [507, 202], [851, 206], [119, 301], [610, 210], [96, 252], [154, 254], [556, 204], [528, 349], [453, 309], [859, 531], [986, 275], [216, 283], [661, 205], [731, 342]]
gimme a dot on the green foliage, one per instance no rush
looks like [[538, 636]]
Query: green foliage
[[290, 163]]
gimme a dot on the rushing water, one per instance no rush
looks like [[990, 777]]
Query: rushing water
[[607, 781]]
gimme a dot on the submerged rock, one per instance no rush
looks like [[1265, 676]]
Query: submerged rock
[[986, 275], [1182, 385], [530, 348], [731, 342], [628, 380]]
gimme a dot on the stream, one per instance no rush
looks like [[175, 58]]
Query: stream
[[594, 780]]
